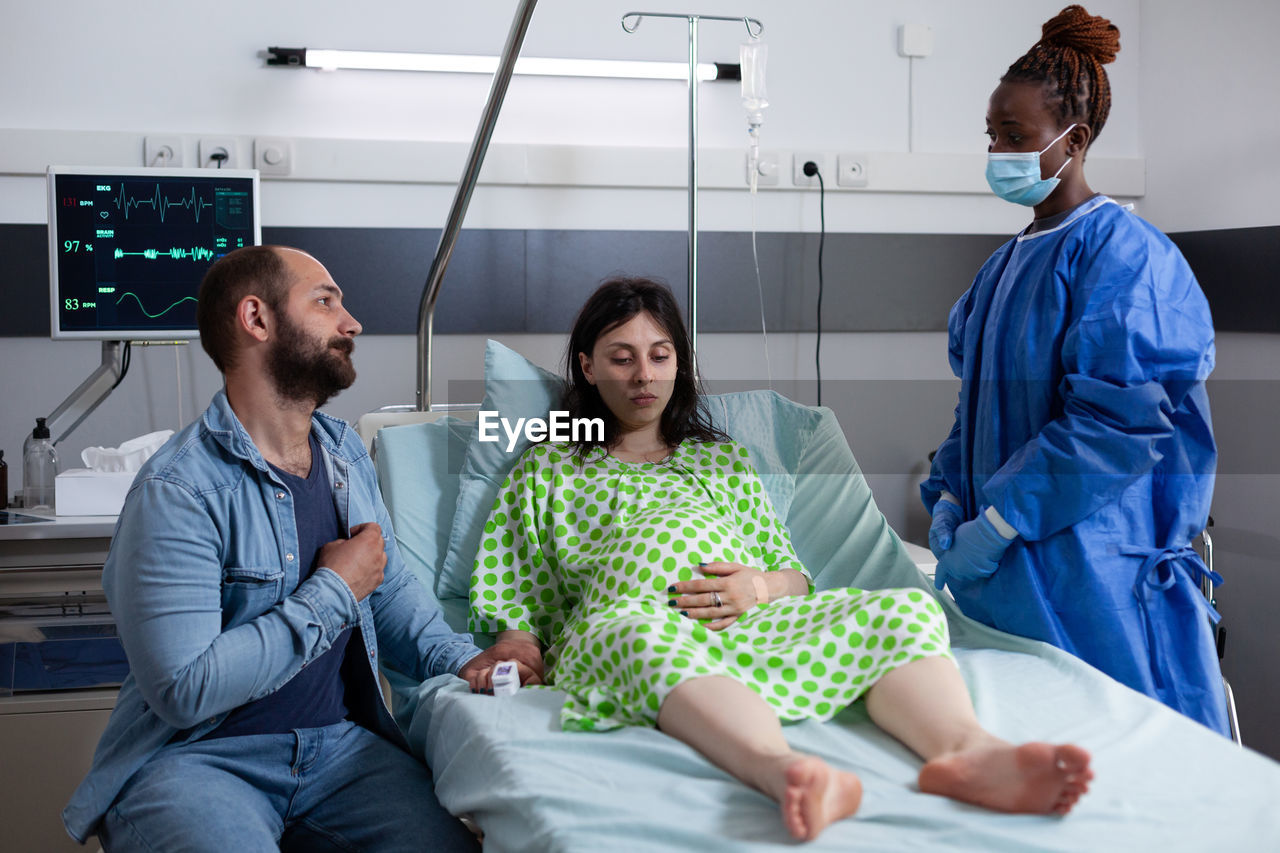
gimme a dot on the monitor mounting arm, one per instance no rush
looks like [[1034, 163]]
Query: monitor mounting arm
[[73, 410]]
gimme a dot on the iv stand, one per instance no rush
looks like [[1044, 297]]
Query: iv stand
[[693, 20]]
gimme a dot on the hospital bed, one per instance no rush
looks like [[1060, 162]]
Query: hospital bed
[[1163, 782]]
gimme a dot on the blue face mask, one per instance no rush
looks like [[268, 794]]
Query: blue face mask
[[1016, 177]]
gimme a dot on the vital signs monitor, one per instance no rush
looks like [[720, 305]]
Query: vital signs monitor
[[128, 247]]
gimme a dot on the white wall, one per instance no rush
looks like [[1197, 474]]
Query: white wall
[[1209, 80], [835, 82], [834, 77]]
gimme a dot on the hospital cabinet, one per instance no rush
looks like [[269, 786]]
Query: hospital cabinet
[[59, 664]]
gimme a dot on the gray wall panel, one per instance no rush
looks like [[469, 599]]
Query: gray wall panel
[[24, 281], [533, 281], [1239, 269], [728, 294], [565, 266], [382, 272], [899, 282]]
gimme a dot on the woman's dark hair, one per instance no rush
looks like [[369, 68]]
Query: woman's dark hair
[[1068, 59], [615, 302]]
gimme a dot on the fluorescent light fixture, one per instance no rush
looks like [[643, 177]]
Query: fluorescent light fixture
[[382, 60]]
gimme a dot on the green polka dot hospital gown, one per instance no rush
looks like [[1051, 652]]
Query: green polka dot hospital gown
[[581, 552]]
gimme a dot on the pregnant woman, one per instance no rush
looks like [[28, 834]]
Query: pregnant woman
[[652, 572]]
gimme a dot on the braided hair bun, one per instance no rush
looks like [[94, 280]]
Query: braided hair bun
[[1074, 28], [1068, 60]]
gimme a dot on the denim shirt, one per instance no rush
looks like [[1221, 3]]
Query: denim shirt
[[202, 555]]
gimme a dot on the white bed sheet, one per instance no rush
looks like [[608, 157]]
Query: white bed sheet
[[1163, 782]]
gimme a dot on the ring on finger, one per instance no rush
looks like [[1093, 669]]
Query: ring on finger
[[715, 598]]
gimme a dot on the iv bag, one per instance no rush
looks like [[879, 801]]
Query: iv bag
[[753, 55]]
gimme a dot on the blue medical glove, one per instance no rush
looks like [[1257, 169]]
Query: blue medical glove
[[974, 554], [946, 516]]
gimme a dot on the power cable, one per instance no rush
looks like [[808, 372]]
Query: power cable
[[810, 170]]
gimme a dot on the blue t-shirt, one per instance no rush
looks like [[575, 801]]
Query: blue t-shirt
[[316, 696]]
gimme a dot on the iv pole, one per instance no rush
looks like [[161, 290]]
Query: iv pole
[[462, 197], [693, 138]]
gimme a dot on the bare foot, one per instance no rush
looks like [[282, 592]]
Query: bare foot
[[1034, 778], [817, 794]]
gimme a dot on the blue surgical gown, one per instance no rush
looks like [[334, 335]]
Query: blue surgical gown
[[1082, 352]]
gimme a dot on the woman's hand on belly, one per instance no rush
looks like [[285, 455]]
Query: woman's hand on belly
[[738, 588]]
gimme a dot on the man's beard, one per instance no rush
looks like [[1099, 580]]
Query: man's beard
[[305, 371]]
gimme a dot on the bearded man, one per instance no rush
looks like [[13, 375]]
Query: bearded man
[[256, 583]]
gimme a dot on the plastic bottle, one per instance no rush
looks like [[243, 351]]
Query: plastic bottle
[[752, 57], [39, 468], [4, 482]]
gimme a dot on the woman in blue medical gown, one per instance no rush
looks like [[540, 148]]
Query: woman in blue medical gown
[[1081, 462]]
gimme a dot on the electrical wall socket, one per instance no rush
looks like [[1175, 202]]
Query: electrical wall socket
[[212, 145], [799, 178], [162, 151], [273, 155], [851, 170], [766, 170]]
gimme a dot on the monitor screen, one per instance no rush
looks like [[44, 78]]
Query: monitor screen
[[128, 247]]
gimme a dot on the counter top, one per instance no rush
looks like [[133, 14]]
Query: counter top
[[61, 527]]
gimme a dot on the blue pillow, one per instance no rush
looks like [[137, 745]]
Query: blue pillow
[[775, 432], [514, 387], [419, 472]]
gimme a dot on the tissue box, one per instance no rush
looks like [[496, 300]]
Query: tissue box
[[80, 491]]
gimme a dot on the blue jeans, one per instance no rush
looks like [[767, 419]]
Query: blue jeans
[[340, 787]]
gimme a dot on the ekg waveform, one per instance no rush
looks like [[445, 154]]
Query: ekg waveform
[[160, 203], [144, 308], [195, 253]]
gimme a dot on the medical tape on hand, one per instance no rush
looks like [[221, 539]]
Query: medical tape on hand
[[762, 590]]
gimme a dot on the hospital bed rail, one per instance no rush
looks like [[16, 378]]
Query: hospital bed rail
[[1220, 632]]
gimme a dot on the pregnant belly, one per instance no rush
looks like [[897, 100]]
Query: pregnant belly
[[650, 549]]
